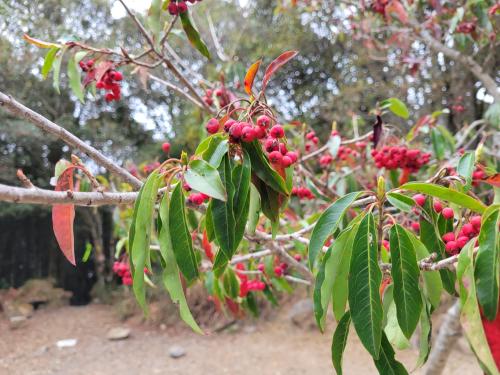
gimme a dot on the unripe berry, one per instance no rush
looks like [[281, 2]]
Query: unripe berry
[[277, 131], [419, 199], [447, 213], [165, 147], [264, 121], [212, 126], [438, 207], [275, 157]]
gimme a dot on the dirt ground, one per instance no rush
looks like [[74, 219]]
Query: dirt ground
[[264, 347]]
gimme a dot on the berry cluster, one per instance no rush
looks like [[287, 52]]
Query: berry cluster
[[177, 7], [248, 285], [467, 232], [312, 140], [302, 193], [122, 269], [221, 94], [400, 157], [198, 198], [447, 212], [110, 82], [466, 28]]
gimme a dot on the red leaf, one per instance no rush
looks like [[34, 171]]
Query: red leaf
[[493, 180], [63, 216], [277, 64], [250, 76], [102, 68], [207, 247]]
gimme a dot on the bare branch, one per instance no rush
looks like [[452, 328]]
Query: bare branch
[[177, 90], [19, 110]]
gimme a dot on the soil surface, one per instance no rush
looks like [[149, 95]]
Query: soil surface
[[269, 347]]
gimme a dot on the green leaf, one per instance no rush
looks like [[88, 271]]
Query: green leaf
[[270, 201], [392, 329], [425, 337], [231, 284], [487, 268], [182, 243], [339, 341], [396, 106], [254, 210], [401, 201], [140, 234], [446, 194], [364, 287], [262, 168], [74, 75], [437, 143], [216, 150], [466, 167], [203, 177], [432, 281], [171, 278], [405, 275], [193, 34], [328, 223], [470, 316], [241, 202], [57, 69], [223, 218], [334, 265], [386, 363], [49, 60]]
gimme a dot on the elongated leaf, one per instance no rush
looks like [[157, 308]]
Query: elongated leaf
[[364, 287], [328, 223], [396, 106], [425, 337], [63, 216], [394, 333], [212, 149], [446, 194], [466, 167], [193, 34], [487, 271], [74, 76], [254, 209], [432, 281], [401, 201], [231, 284], [223, 218], [49, 60], [470, 316], [339, 341], [262, 168], [250, 76], [386, 363], [203, 177], [405, 275], [241, 201], [40, 43], [57, 69], [140, 234], [437, 143], [275, 65], [171, 278], [179, 232]]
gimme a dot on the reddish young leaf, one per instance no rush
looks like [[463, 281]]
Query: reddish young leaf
[[63, 216], [493, 180], [277, 64], [207, 246], [250, 76]]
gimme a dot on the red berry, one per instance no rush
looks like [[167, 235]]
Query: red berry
[[271, 145], [260, 267], [419, 199], [447, 213], [450, 236], [315, 140], [228, 124], [165, 147], [236, 130], [476, 221], [127, 280], [386, 244], [99, 85], [212, 126], [186, 186], [109, 97], [260, 132], [264, 121], [278, 271], [286, 161], [438, 207], [468, 229], [297, 257], [451, 246], [173, 9], [196, 199], [248, 134], [275, 157], [310, 135], [182, 7], [118, 76], [277, 131], [415, 226], [462, 241], [292, 155]]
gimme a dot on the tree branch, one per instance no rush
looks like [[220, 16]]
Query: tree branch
[[19, 110]]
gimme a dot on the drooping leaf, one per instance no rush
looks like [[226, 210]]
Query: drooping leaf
[[339, 341], [171, 278], [396, 106], [446, 194], [49, 60], [470, 316], [193, 34], [364, 287], [466, 167], [254, 209], [179, 232], [401, 201], [328, 223], [40, 43], [63, 216], [405, 275], [57, 69], [250, 76], [386, 363], [74, 75], [487, 270], [203, 177], [140, 234], [275, 65], [262, 168]]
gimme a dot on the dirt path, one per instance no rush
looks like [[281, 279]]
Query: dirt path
[[273, 347]]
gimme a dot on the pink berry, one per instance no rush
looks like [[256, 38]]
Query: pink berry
[[248, 134], [419, 199], [297, 257], [236, 130], [228, 124], [264, 121], [386, 244], [476, 221], [278, 271], [286, 161], [447, 213], [165, 147], [271, 145], [451, 246], [462, 241], [173, 9], [260, 267], [212, 126], [415, 226], [468, 229], [450, 236], [438, 207], [292, 155], [277, 131], [260, 132], [182, 7], [275, 157]]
